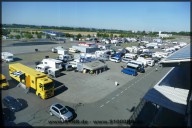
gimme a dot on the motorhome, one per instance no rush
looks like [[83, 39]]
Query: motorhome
[[7, 56]]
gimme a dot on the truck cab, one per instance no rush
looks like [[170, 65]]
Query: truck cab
[[45, 88], [3, 82]]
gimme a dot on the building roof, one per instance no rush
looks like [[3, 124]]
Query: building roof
[[170, 91], [94, 65], [182, 55]]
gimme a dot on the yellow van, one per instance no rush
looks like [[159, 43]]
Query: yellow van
[[3, 82]]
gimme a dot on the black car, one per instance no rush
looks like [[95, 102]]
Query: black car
[[12, 103]]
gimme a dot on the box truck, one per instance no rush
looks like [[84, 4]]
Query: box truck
[[29, 78]]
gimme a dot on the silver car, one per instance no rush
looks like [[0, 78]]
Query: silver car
[[61, 112]]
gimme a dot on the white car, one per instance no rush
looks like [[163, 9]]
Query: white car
[[115, 59]]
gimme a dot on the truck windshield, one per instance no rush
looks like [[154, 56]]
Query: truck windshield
[[48, 86]]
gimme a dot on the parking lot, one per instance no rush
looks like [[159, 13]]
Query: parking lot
[[72, 88]]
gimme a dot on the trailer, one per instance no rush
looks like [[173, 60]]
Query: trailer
[[29, 78], [7, 56]]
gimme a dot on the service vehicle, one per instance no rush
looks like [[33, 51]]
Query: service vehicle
[[29, 78], [61, 112], [3, 82]]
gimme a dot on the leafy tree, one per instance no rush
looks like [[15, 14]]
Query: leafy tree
[[88, 35], [79, 36], [48, 36], [39, 35], [28, 35], [18, 37], [11, 36], [67, 35], [111, 35], [5, 32]]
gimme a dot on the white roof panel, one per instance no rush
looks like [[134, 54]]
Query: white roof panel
[[171, 91]]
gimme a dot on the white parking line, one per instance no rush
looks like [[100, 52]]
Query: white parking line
[[101, 106], [113, 98], [107, 102]]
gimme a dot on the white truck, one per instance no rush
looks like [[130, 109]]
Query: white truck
[[7, 56], [62, 52], [53, 72]]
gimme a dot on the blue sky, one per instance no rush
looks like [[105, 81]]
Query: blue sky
[[148, 16]]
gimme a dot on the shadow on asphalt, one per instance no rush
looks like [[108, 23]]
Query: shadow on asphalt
[[12, 83], [23, 102], [17, 59], [8, 115], [32, 43], [73, 112], [59, 88]]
